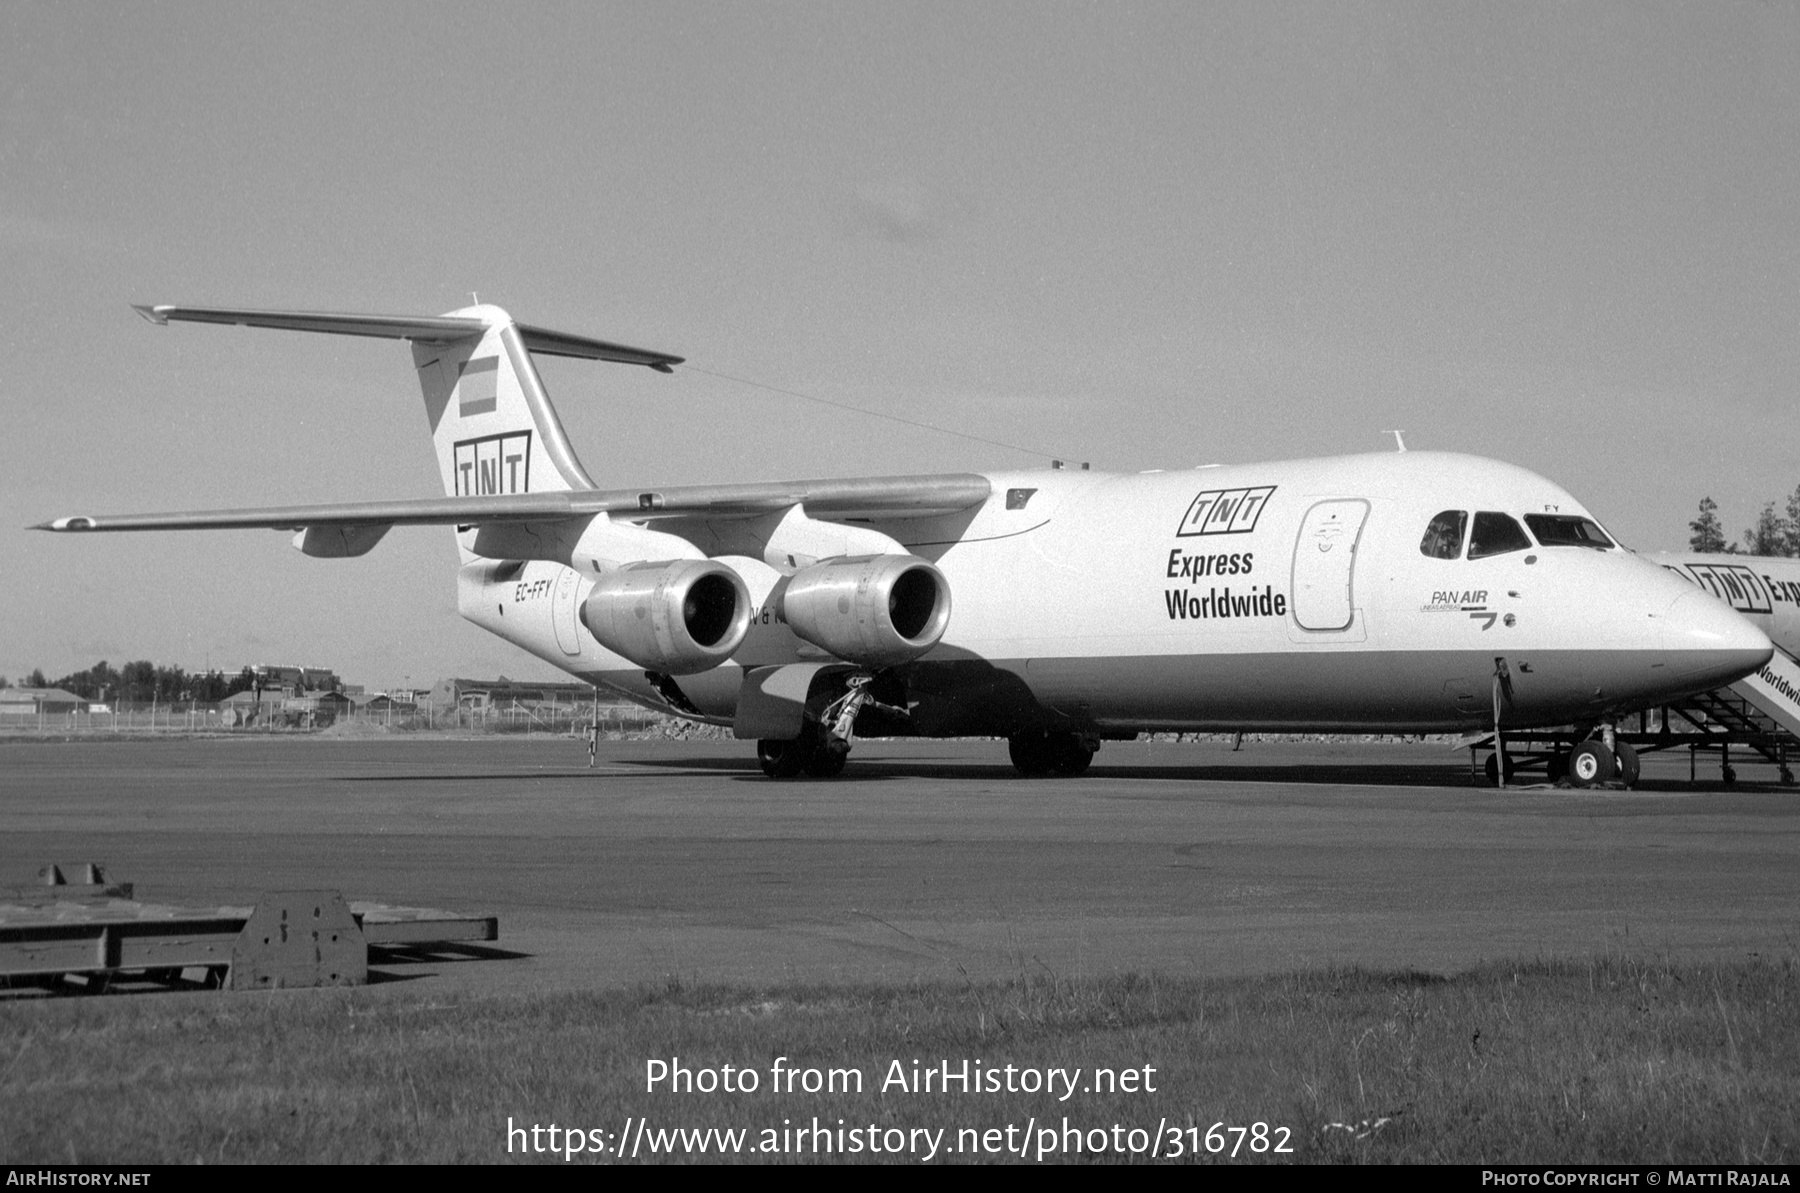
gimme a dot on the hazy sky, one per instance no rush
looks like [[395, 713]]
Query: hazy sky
[[1145, 235]]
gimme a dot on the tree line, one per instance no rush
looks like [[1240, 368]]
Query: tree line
[[1773, 533], [143, 682]]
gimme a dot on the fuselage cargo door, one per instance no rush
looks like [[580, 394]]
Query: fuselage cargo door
[[565, 616], [1325, 564]]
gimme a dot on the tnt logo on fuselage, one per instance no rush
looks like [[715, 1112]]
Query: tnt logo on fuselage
[[1225, 511], [494, 464], [1734, 584]]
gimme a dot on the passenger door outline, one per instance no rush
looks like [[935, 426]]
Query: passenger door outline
[[1324, 568]]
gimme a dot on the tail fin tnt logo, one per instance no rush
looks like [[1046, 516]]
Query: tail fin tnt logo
[[1225, 511], [494, 464], [478, 387]]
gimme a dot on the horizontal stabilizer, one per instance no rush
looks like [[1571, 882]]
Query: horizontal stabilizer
[[873, 497], [430, 329]]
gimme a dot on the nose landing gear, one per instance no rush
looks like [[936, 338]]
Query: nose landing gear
[[1629, 767], [1590, 763], [1601, 759], [1604, 759]]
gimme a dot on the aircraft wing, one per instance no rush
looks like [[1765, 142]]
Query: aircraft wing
[[830, 500]]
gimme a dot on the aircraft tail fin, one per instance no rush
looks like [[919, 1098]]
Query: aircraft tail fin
[[491, 421]]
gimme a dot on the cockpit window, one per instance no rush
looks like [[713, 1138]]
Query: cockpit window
[[1496, 534], [1443, 538], [1565, 530]]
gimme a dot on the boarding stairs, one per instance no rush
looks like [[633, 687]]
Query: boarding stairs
[[1761, 711]]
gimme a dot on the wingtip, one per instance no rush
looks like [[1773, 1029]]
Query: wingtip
[[151, 314], [59, 525]]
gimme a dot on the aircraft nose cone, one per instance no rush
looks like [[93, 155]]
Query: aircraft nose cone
[[1710, 642]]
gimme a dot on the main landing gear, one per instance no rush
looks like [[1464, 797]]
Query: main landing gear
[[826, 736], [808, 754], [1037, 754], [823, 745]]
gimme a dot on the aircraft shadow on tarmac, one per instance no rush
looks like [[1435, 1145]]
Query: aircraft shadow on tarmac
[[466, 777], [1448, 774], [1454, 773]]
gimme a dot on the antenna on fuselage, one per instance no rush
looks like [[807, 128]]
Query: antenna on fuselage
[[1399, 443]]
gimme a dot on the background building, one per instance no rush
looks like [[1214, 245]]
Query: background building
[[33, 702], [505, 693]]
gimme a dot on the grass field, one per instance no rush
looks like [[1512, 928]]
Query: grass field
[[1611, 1061]]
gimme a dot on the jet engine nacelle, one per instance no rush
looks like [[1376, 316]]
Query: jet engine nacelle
[[873, 610], [677, 617]]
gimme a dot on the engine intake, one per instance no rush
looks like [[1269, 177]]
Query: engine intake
[[873, 610], [676, 617]]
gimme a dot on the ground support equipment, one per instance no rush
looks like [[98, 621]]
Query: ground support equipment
[[1710, 723], [92, 934]]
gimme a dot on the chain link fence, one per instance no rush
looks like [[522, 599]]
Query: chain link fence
[[276, 715]]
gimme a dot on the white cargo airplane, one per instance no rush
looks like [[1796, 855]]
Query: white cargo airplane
[[1411, 592]]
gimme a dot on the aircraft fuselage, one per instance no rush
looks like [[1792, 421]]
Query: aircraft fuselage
[[1294, 595]]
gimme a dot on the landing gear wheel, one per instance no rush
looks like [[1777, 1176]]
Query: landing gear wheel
[[827, 763], [1495, 762], [1037, 754], [1730, 775], [1590, 763], [1030, 754], [1557, 768], [1628, 763], [785, 759], [1070, 755]]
